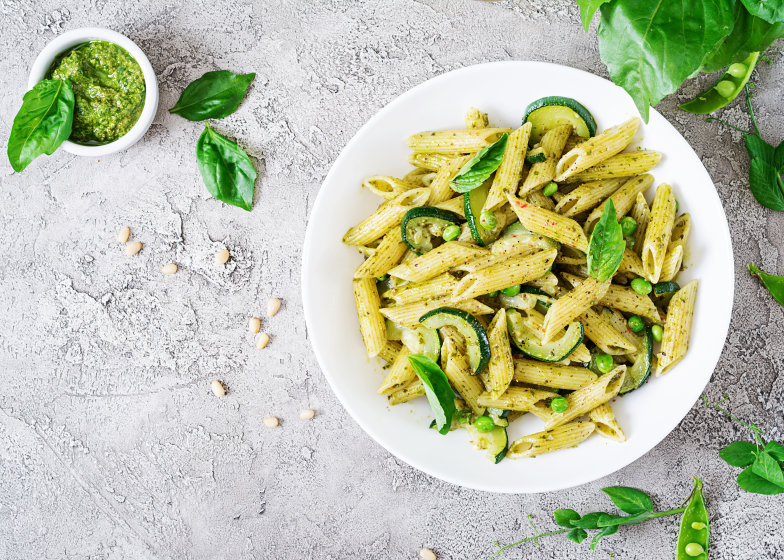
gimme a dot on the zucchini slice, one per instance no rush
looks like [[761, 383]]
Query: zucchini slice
[[420, 225], [663, 292], [473, 202], [422, 340], [496, 441], [530, 343], [477, 343], [394, 331], [536, 155], [548, 112], [640, 371]]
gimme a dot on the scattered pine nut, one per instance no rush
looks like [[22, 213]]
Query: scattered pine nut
[[170, 268], [254, 325], [125, 234], [132, 248], [427, 554], [271, 422], [262, 341], [307, 414], [273, 306], [218, 388], [222, 257]]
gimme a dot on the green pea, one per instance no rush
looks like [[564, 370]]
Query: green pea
[[559, 404], [493, 294], [605, 363], [550, 189], [488, 220], [451, 232], [725, 88], [658, 332], [484, 424], [641, 286], [511, 290], [737, 70], [697, 525], [635, 323], [694, 549], [628, 225], [382, 278]]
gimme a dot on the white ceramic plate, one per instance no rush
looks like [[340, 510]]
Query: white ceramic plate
[[503, 90]]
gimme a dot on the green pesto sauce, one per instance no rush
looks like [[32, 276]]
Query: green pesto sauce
[[108, 86]]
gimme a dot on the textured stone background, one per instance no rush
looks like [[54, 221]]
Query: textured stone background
[[111, 444]]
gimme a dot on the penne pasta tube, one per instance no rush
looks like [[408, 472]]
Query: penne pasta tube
[[659, 232], [437, 261], [408, 315], [388, 187], [631, 263], [572, 305], [498, 374], [388, 215], [562, 437], [459, 375], [390, 351], [587, 196], [677, 328], [536, 198], [371, 322], [606, 424], [492, 259], [387, 255], [573, 142], [540, 174], [399, 375], [580, 355], [620, 165], [517, 398], [435, 288], [440, 189], [508, 174], [596, 149], [430, 162], [513, 270], [550, 224], [474, 118], [673, 260], [604, 335], [454, 204], [586, 399], [413, 390], [546, 283], [454, 141], [640, 212], [623, 199], [552, 375], [623, 298]]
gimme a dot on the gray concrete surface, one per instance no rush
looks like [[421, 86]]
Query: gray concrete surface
[[111, 444]]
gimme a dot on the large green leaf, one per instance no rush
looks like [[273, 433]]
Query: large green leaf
[[739, 453], [43, 123], [763, 180], [588, 9], [650, 48], [226, 169], [213, 96], [771, 11]]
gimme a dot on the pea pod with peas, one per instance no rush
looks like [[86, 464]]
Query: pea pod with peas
[[725, 90]]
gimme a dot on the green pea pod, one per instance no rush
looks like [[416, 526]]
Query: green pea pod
[[693, 534], [712, 100]]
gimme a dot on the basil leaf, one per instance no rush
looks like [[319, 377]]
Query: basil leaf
[[588, 9], [775, 450], [577, 535], [589, 521], [605, 250], [739, 454], [607, 520], [768, 468], [611, 530], [774, 284], [758, 148], [763, 180], [771, 11], [481, 166], [650, 48], [629, 500], [755, 484], [43, 122], [778, 160], [226, 169], [439, 393], [213, 96], [564, 517]]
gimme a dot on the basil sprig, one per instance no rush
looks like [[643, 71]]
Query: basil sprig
[[43, 122], [439, 393], [213, 96], [226, 169], [605, 250], [481, 166]]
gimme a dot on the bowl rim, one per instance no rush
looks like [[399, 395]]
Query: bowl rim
[[70, 38]]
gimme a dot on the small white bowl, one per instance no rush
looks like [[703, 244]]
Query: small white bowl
[[71, 38]]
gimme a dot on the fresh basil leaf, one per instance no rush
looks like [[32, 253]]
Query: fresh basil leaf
[[213, 96], [481, 166], [226, 169], [650, 48], [607, 520], [611, 530], [758, 148], [763, 180], [629, 500], [577, 535], [755, 484], [43, 122], [439, 393], [605, 250], [588, 9], [564, 517], [771, 11], [739, 454], [589, 521], [778, 160], [768, 468], [774, 284], [775, 450]]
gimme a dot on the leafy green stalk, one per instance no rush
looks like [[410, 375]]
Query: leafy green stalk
[[481, 166]]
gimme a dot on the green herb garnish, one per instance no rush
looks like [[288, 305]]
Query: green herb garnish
[[213, 96], [226, 169], [774, 284], [481, 166], [605, 251], [439, 393]]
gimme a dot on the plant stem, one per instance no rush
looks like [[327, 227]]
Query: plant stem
[[711, 119], [749, 95], [501, 549], [780, 182], [750, 426], [668, 512]]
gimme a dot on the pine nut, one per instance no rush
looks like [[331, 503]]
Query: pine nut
[[170, 268], [307, 414], [125, 234], [132, 248], [222, 257], [271, 422], [254, 325], [273, 306], [262, 341], [218, 388], [427, 554]]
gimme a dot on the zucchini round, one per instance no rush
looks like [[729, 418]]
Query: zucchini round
[[548, 112], [421, 224], [536, 155], [663, 292], [496, 441], [473, 202], [530, 343], [640, 371], [477, 343], [422, 340]]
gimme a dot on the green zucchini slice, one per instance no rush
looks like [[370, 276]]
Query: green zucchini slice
[[640, 371], [420, 225], [473, 202], [496, 441], [530, 343], [422, 340], [548, 112], [536, 155], [663, 292], [477, 343]]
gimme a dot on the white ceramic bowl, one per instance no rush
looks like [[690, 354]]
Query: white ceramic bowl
[[503, 90], [71, 38]]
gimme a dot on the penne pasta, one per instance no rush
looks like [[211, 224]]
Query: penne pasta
[[586, 399], [606, 424], [399, 375], [498, 374], [388, 187], [435, 288], [454, 141], [596, 149], [440, 189], [673, 260], [508, 174], [388, 215], [562, 437], [621, 165], [408, 315], [540, 174], [511, 271], [371, 322], [623, 298], [390, 351], [517, 398], [657, 236], [548, 223], [437, 261], [623, 199], [387, 254], [536, 198], [459, 375], [677, 328], [572, 305], [413, 390], [587, 196], [640, 212], [430, 162], [556, 376]]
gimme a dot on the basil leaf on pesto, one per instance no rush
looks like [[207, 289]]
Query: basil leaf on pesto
[[439, 393], [213, 96], [481, 166], [226, 169], [42, 124], [605, 250]]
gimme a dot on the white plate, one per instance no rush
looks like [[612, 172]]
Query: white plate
[[503, 90]]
